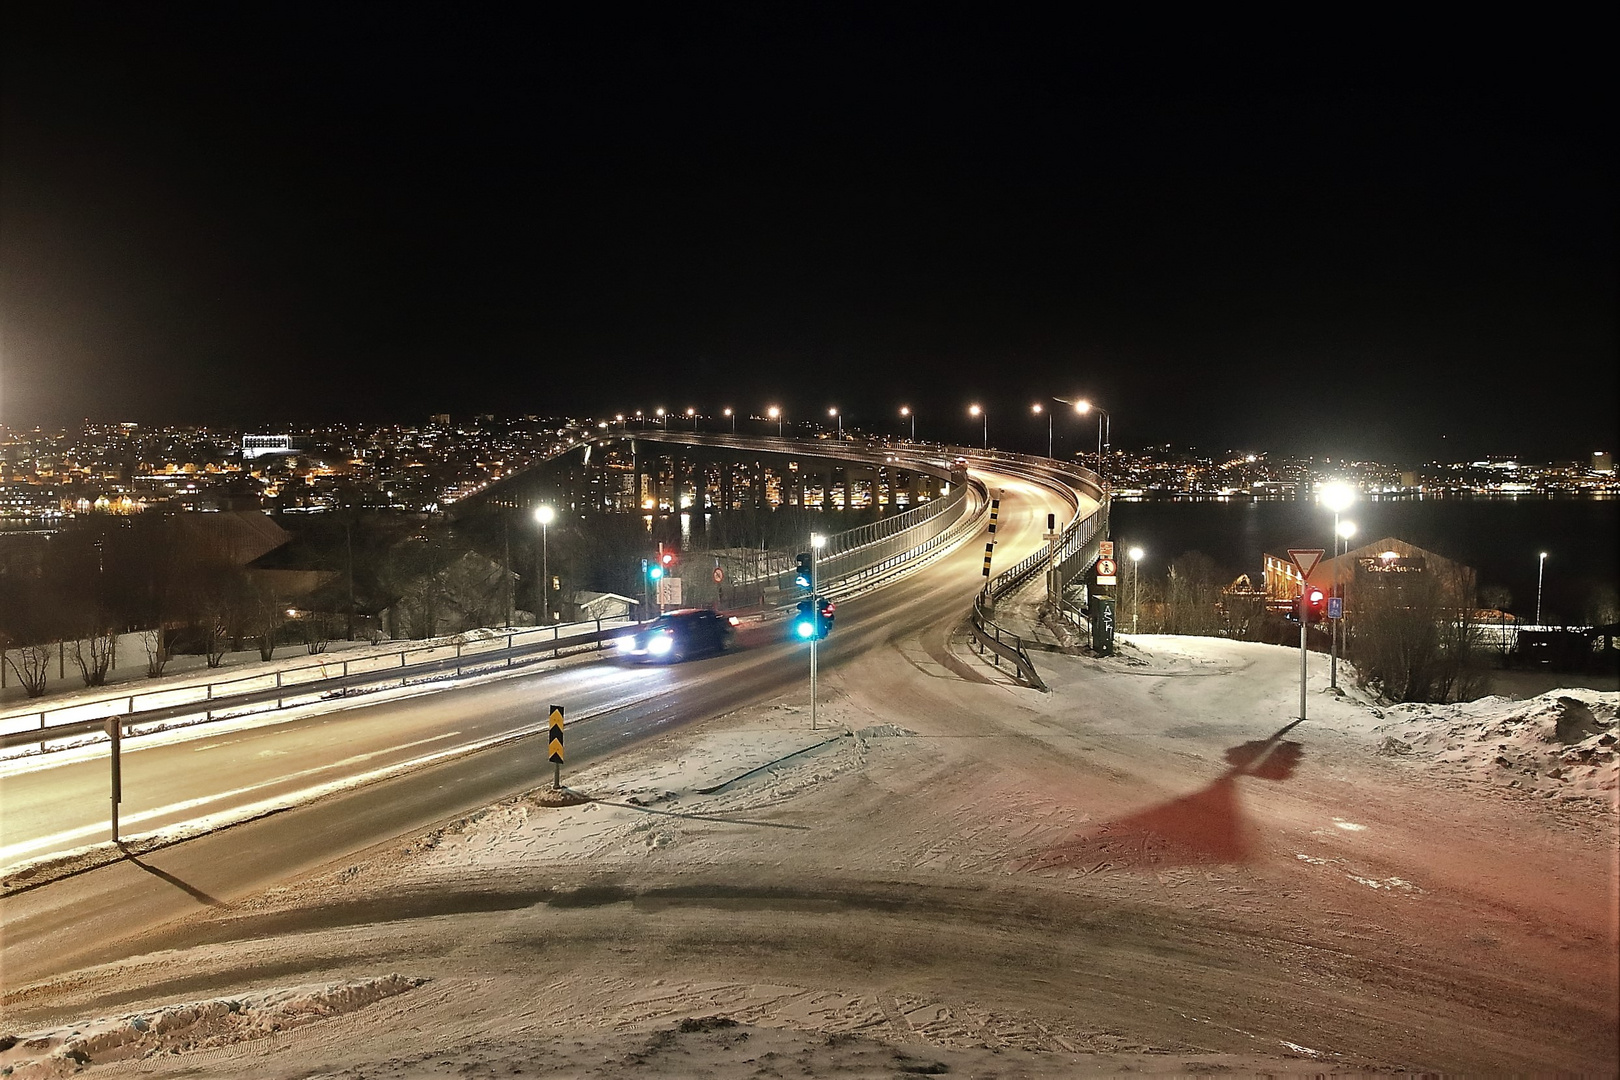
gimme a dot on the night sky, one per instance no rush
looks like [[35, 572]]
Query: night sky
[[267, 214]]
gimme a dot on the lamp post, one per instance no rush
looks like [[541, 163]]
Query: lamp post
[[817, 542], [974, 410], [775, 414], [1083, 407], [1337, 497], [1037, 409], [732, 413], [834, 413], [905, 411], [1541, 570], [692, 414], [664, 416], [544, 515], [1344, 530], [1136, 554]]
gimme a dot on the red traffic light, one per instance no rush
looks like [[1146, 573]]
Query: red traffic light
[[667, 558], [1316, 598]]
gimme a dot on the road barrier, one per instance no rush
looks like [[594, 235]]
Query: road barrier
[[138, 711]]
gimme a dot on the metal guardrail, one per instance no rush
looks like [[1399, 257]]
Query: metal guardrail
[[292, 686], [1074, 550]]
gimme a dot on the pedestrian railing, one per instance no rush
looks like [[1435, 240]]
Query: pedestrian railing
[[141, 709]]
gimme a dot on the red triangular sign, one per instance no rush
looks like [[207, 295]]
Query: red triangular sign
[[1306, 559]]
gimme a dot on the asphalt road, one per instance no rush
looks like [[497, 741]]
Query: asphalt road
[[455, 750]]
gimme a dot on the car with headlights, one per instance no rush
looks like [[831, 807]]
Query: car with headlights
[[677, 635]]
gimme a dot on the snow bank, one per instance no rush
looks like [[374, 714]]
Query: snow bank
[[196, 1025], [1560, 745]]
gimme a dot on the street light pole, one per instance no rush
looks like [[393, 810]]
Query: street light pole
[[835, 414], [905, 411], [775, 414], [817, 542], [1037, 410], [1337, 498], [1136, 554], [544, 515], [693, 414], [974, 410], [733, 414], [1541, 570]]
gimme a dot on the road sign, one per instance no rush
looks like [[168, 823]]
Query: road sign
[[669, 591], [1105, 549], [719, 575], [1335, 607], [1107, 570], [1306, 559], [556, 733], [989, 550]]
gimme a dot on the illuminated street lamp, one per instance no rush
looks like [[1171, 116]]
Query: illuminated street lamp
[[692, 413], [1136, 554], [545, 515], [775, 414], [728, 411], [833, 412], [974, 410], [664, 416], [1541, 570], [1337, 497], [1037, 409], [1083, 407], [905, 412]]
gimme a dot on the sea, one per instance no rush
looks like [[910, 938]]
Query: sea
[[1501, 537]]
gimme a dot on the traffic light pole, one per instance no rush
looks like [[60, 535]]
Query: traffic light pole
[[817, 617], [1304, 617]]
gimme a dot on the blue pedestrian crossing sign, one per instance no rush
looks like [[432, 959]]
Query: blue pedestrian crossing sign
[[1335, 607]]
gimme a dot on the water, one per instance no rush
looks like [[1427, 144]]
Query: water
[[1501, 538]]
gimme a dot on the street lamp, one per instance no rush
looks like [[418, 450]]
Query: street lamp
[[545, 515], [974, 410], [1037, 409], [905, 411], [1541, 570], [733, 414], [835, 414], [775, 414], [1337, 497], [1083, 407], [693, 414], [664, 416], [817, 542], [1136, 554]]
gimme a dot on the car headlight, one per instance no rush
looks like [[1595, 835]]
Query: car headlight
[[627, 644], [660, 645]]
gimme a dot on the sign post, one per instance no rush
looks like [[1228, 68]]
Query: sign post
[[115, 731], [556, 740], [1306, 559]]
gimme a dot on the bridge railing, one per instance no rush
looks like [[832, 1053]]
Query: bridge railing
[[1074, 550]]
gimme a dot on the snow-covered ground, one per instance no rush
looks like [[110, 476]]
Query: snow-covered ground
[[1152, 868]]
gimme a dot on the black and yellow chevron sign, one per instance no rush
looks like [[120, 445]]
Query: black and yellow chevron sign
[[556, 733], [989, 549], [995, 511]]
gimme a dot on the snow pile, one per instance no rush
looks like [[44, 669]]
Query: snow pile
[[196, 1025], [1560, 745]]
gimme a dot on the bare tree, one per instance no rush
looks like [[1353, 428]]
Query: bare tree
[[31, 664], [1416, 640], [1192, 596], [94, 654], [156, 643]]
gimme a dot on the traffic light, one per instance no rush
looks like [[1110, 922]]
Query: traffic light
[[804, 573], [813, 618], [654, 571], [1313, 604], [804, 623], [666, 558]]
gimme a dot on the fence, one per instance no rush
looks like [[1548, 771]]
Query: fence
[[285, 687]]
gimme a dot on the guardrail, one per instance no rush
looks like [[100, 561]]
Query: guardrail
[[1070, 554], [301, 685]]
